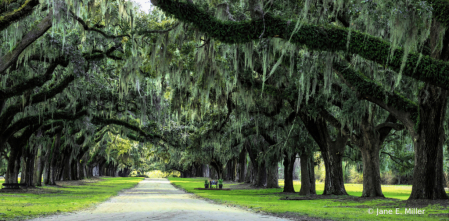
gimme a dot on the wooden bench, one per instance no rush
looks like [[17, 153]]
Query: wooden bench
[[226, 189], [214, 182], [14, 185]]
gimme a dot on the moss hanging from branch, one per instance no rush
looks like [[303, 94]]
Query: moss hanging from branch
[[366, 87], [441, 11], [315, 37]]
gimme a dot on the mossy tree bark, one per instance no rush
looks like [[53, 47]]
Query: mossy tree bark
[[11, 175], [370, 143], [89, 171], [80, 165], [54, 159], [272, 175], [38, 166], [307, 174], [198, 168], [242, 166], [46, 171], [218, 168], [428, 178], [230, 170], [259, 171], [28, 169], [73, 170], [66, 163], [16, 169], [331, 151], [261, 176], [371, 171], [288, 172]]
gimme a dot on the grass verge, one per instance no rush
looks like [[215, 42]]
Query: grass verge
[[65, 197], [335, 207]]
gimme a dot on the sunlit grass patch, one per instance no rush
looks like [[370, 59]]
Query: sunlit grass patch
[[341, 208], [49, 200]]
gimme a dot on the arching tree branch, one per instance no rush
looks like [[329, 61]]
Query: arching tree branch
[[314, 37], [11, 57], [32, 82], [11, 17]]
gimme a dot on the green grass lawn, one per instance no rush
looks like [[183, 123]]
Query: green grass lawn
[[49, 200], [340, 209]]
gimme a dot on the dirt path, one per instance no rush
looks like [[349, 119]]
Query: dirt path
[[157, 199]]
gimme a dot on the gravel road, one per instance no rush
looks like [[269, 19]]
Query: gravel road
[[157, 199]]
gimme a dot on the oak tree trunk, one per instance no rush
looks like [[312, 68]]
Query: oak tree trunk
[[46, 165], [370, 144], [242, 166], [23, 168], [331, 151], [289, 162], [38, 167], [259, 172], [212, 173], [428, 178], [218, 169], [307, 174], [16, 169], [54, 159], [79, 170], [273, 175], [332, 156], [11, 176], [28, 171], [261, 177], [371, 171], [66, 165], [199, 170]]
